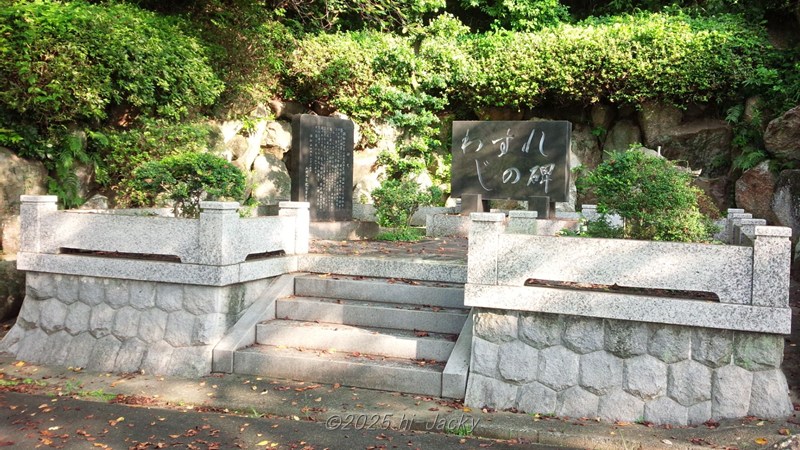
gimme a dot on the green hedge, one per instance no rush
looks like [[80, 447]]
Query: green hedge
[[633, 58], [64, 62]]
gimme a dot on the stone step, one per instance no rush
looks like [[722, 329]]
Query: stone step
[[372, 314], [347, 339], [366, 371], [446, 295]]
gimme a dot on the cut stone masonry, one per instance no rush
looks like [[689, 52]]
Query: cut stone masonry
[[622, 356]]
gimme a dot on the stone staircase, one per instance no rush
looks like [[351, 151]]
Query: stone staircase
[[379, 333]]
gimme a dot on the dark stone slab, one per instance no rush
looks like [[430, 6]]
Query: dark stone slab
[[322, 166], [511, 159]]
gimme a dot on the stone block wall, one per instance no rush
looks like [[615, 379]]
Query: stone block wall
[[107, 324], [623, 370]]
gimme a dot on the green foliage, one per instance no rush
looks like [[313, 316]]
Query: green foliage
[[396, 201], [248, 45], [357, 14], [404, 234], [72, 61], [70, 69], [623, 59], [654, 197], [186, 179], [402, 80], [124, 150], [747, 137], [521, 15]]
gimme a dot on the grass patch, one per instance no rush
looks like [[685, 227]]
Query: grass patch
[[406, 234], [463, 430]]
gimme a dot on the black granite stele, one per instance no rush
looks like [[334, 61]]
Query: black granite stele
[[322, 166], [511, 159]]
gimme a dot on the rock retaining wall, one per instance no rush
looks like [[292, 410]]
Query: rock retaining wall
[[623, 370], [107, 324]]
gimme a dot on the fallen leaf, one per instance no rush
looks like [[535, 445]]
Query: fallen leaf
[[761, 441], [784, 432]]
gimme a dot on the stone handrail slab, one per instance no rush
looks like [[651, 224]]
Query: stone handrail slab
[[724, 270], [630, 307]]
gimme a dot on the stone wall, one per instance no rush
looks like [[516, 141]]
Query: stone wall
[[555, 332], [107, 324], [623, 370], [114, 307]]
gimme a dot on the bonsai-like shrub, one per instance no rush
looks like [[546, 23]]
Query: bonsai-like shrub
[[653, 196], [188, 178], [397, 200]]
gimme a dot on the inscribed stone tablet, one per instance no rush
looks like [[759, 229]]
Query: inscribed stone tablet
[[511, 159], [322, 166]]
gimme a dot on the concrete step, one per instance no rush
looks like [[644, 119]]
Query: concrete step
[[446, 295], [348, 339], [389, 374], [372, 314]]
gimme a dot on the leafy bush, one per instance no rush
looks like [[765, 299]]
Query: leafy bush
[[71, 68], [71, 61], [186, 179], [521, 15], [372, 76], [397, 200], [122, 151], [653, 196], [358, 14], [623, 59]]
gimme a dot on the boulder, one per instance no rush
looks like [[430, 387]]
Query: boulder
[[585, 147], [12, 288], [786, 200], [19, 176], [277, 138], [286, 109], [657, 119], [228, 129], [754, 190], [96, 202], [622, 135], [244, 154], [705, 144], [269, 181], [10, 229], [602, 116], [782, 136], [718, 190]]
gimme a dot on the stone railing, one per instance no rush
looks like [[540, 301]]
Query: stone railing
[[126, 293], [625, 330], [209, 249]]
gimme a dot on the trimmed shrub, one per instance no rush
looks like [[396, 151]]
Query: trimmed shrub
[[71, 61], [653, 196], [188, 178], [397, 200], [623, 59]]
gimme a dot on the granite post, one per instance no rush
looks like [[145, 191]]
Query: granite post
[[218, 226], [34, 235], [296, 219], [484, 239], [772, 251]]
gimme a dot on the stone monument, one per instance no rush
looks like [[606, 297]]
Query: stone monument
[[517, 160], [322, 166]]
